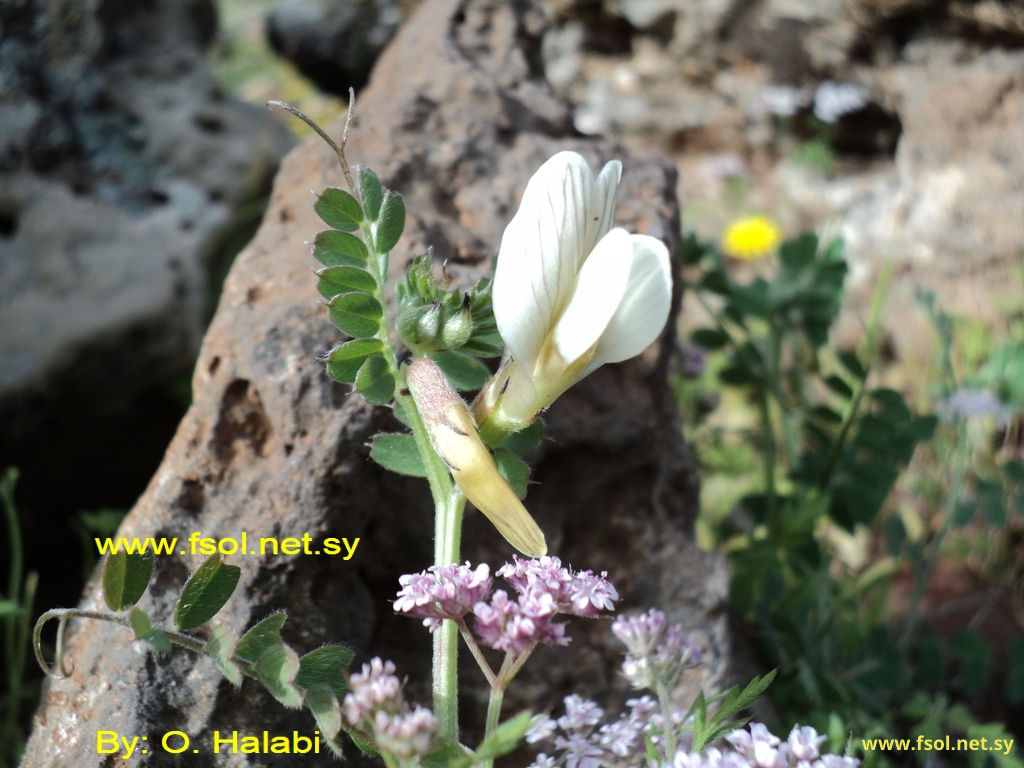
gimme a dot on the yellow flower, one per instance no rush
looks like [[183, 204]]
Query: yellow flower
[[751, 238]]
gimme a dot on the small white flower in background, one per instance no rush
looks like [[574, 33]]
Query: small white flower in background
[[724, 165], [570, 292], [832, 100], [781, 100]]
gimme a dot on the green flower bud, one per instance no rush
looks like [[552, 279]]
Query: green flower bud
[[458, 326], [419, 326]]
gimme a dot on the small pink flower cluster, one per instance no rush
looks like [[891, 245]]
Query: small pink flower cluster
[[657, 651], [584, 745], [759, 748], [580, 593], [443, 592], [580, 743], [375, 704], [545, 589]]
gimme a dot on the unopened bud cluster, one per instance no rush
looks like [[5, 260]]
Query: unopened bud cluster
[[433, 319], [375, 705]]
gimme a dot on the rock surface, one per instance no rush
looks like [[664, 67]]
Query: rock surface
[[456, 118], [333, 42], [923, 173], [124, 174]]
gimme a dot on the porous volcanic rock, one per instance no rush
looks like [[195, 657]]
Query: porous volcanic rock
[[456, 118]]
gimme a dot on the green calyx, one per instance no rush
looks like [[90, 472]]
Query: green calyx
[[432, 318]]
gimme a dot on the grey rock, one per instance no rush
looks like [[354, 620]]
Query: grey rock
[[120, 161], [456, 118], [333, 42], [123, 172]]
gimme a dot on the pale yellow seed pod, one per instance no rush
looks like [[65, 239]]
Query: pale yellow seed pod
[[453, 434]]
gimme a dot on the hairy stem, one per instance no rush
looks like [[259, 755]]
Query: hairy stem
[[59, 670], [447, 539], [449, 504], [495, 701]]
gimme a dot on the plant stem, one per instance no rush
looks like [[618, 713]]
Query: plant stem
[[447, 537], [495, 700], [768, 437], [494, 709], [449, 503], [475, 650], [513, 669], [668, 727], [844, 431], [934, 548], [775, 380], [15, 627], [774, 384], [64, 614]]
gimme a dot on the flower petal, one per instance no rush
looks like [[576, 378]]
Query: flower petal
[[602, 216], [564, 212], [600, 288], [643, 311], [454, 437]]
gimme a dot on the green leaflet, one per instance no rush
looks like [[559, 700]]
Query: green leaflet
[[328, 665], [372, 193], [344, 362], [340, 249], [277, 668], [375, 382], [339, 209], [391, 223], [205, 593], [260, 637], [357, 314], [125, 578], [398, 452], [335, 281]]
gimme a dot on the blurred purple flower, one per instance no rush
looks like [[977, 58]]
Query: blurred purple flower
[[973, 404]]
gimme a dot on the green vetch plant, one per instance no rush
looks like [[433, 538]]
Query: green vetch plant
[[831, 449], [571, 292]]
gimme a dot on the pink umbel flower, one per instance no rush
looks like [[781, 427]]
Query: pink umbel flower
[[804, 742], [580, 593], [622, 743], [375, 688], [544, 589], [443, 592], [406, 735], [516, 626]]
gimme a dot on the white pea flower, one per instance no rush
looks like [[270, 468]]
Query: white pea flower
[[570, 292]]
